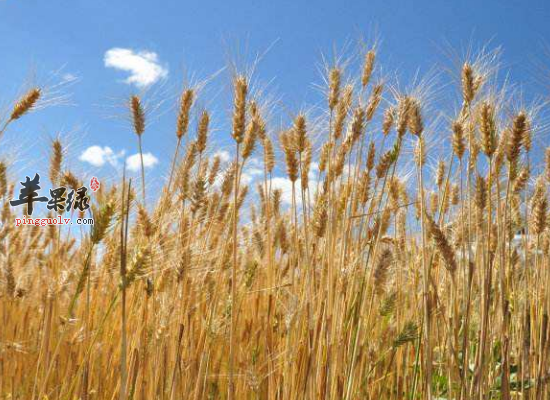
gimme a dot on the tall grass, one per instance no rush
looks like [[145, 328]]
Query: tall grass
[[406, 264]]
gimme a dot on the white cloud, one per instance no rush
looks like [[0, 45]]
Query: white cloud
[[285, 185], [250, 174], [99, 156], [253, 169], [224, 155], [133, 163], [144, 66]]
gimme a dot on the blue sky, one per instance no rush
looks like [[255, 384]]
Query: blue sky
[[182, 41]]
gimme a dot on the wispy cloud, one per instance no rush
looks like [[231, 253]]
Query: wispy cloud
[[99, 156], [133, 163], [144, 66], [69, 78]]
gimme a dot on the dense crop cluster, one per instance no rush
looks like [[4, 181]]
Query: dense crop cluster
[[395, 272]]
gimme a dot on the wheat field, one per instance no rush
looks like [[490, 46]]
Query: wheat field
[[410, 262]]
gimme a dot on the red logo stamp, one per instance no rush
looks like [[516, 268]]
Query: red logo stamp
[[94, 184]]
